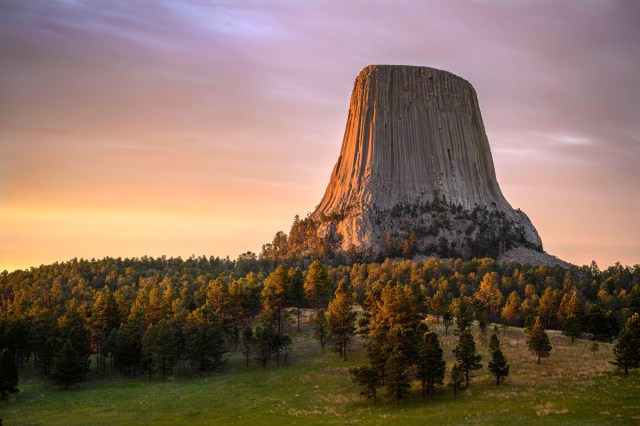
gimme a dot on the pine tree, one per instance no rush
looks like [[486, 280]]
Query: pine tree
[[447, 320], [456, 378], [248, 342], [295, 292], [461, 309], [438, 305], [572, 327], [274, 297], [494, 342], [538, 340], [204, 339], [8, 374], [341, 318], [369, 380], [466, 356], [317, 285], [627, 347], [397, 380], [69, 367], [431, 366], [159, 347], [264, 335], [498, 364], [320, 328]]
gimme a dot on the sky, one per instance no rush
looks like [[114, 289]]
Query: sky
[[179, 128]]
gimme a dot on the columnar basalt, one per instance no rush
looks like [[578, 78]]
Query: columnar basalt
[[415, 168]]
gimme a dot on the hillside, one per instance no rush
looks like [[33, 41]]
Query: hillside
[[573, 386]]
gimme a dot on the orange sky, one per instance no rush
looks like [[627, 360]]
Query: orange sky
[[179, 128]]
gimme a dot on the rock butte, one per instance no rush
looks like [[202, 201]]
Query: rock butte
[[414, 134]]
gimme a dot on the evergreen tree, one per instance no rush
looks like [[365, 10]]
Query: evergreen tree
[[627, 347], [126, 348], [265, 336], [461, 309], [438, 305], [447, 320], [466, 356], [341, 318], [498, 364], [431, 366], [456, 378], [8, 374], [538, 340], [69, 367], [159, 347], [274, 297], [295, 292], [572, 327], [369, 380], [320, 328], [204, 339], [317, 286], [494, 342], [104, 318], [397, 379], [248, 342]]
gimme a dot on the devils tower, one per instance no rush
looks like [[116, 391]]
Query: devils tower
[[415, 174]]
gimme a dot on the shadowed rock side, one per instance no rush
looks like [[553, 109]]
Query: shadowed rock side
[[415, 137]]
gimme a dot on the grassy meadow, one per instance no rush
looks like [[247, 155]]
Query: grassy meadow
[[572, 386]]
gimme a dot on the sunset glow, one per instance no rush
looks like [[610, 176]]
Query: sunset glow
[[133, 128]]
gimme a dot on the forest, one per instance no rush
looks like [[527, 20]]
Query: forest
[[162, 316]]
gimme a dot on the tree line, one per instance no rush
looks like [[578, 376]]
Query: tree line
[[158, 316]]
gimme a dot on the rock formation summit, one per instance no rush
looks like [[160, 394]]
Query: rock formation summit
[[415, 171]]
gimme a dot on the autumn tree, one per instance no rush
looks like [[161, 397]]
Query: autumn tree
[[489, 295], [466, 355], [538, 340], [341, 318], [511, 311]]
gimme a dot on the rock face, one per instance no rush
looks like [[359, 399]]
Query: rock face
[[415, 164]]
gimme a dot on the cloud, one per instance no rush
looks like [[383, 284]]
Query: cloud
[[132, 102]]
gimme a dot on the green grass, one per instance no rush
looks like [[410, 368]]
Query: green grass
[[571, 387]]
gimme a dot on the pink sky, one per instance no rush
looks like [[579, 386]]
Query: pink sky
[[131, 128]]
